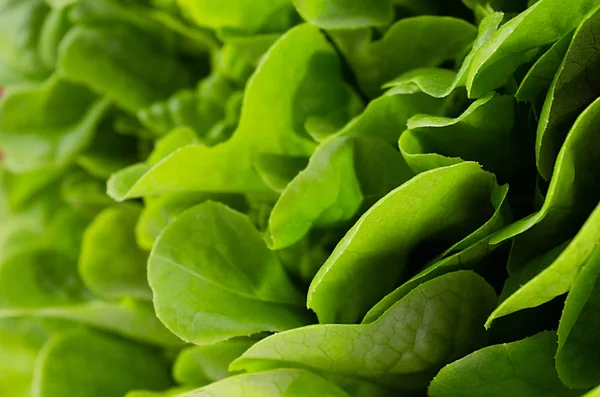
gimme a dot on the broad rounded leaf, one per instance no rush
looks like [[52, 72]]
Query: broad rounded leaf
[[214, 278], [436, 323]]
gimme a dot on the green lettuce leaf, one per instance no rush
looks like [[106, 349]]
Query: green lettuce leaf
[[465, 254], [340, 178], [214, 278], [119, 53], [568, 204], [438, 322], [201, 365], [435, 82], [483, 133], [376, 62], [88, 56], [386, 117], [240, 17], [438, 82], [521, 39], [573, 89], [551, 274], [160, 211], [539, 77], [280, 99], [576, 367], [523, 368], [433, 210], [570, 197], [168, 144]]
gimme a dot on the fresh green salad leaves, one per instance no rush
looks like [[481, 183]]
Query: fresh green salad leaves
[[435, 323], [523, 368], [429, 213], [432, 142], [297, 89], [214, 278], [575, 366], [520, 40], [299, 198], [375, 62], [573, 89]]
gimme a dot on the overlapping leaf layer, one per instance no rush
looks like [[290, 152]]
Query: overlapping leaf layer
[[299, 198]]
